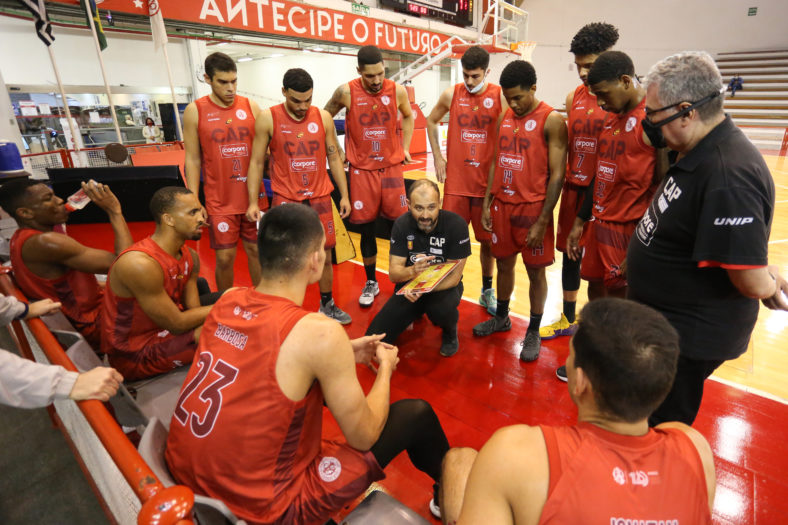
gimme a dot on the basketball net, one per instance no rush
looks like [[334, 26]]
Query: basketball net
[[524, 48]]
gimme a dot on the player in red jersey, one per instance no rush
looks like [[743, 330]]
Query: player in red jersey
[[628, 170], [247, 428], [474, 107], [51, 265], [301, 137], [608, 468], [375, 152], [584, 122], [151, 307], [522, 189], [218, 133]]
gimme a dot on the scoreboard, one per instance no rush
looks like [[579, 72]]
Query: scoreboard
[[458, 12]]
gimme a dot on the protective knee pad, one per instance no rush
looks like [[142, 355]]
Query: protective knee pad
[[570, 274]]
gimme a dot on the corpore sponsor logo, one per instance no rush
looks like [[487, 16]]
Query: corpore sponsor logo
[[231, 336], [309, 164], [375, 134], [475, 136], [606, 171], [229, 151], [514, 162], [585, 145]]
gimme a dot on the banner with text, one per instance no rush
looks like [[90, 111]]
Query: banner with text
[[280, 17]]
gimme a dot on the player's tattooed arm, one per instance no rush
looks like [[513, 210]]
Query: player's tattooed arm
[[338, 100]]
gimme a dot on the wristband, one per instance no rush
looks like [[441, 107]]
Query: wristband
[[24, 313]]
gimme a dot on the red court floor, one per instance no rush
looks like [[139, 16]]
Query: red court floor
[[485, 386]]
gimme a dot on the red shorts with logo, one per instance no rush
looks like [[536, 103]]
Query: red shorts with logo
[[510, 225], [337, 476], [226, 229], [571, 200], [160, 357], [470, 209], [605, 250], [377, 192], [323, 207]]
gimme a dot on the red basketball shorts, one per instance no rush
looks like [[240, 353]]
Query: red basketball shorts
[[322, 205], [510, 225], [377, 192]]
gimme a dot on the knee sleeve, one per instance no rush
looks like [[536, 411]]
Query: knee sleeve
[[570, 274], [369, 245]]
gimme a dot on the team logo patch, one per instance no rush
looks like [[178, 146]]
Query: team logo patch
[[619, 476], [494, 239], [312, 127], [385, 99], [488, 102], [631, 122], [329, 469], [530, 125], [241, 114], [223, 227], [358, 205]]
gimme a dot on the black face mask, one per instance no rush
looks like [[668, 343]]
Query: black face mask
[[652, 129]]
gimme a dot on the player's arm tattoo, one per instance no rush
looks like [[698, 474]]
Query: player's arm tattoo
[[335, 105], [331, 150]]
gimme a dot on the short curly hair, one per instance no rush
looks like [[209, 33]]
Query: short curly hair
[[594, 38], [518, 73]]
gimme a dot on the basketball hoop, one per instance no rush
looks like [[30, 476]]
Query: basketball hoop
[[524, 48]]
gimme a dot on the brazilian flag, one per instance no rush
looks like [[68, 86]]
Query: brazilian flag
[[96, 21]]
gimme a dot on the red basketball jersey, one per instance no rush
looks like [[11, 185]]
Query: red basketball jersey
[[371, 140], [609, 478], [226, 137], [298, 155], [470, 146], [79, 292], [585, 121], [125, 326], [624, 169], [234, 435], [522, 169]]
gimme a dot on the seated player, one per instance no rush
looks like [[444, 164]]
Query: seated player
[[49, 264], [425, 235], [247, 427], [608, 468], [151, 306]]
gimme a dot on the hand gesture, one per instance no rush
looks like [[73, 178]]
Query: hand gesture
[[387, 355], [407, 159], [422, 263], [100, 383], [344, 207], [486, 219], [573, 249], [253, 213], [102, 196], [536, 233], [440, 167], [364, 347], [412, 297]]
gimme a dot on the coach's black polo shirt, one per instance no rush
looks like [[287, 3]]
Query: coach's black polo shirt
[[714, 207]]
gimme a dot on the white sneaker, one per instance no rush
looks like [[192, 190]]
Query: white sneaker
[[371, 289], [435, 510]]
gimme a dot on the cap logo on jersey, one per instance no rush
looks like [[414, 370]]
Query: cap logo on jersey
[[309, 147], [375, 134], [606, 171], [312, 127], [234, 150], [474, 136], [223, 227], [474, 121], [241, 114], [619, 476], [358, 205], [385, 99], [303, 164], [514, 162], [488, 102], [631, 123], [530, 125], [374, 119]]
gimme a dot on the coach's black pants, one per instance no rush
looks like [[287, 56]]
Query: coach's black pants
[[683, 401], [398, 313]]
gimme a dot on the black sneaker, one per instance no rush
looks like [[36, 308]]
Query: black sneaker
[[492, 325], [531, 346], [449, 345], [560, 373]]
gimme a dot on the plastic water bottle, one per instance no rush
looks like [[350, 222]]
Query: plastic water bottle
[[77, 201]]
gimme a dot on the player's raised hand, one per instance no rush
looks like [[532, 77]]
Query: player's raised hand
[[102, 196]]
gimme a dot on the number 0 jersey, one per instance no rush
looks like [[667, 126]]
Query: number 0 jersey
[[371, 140], [521, 169], [471, 140], [298, 155], [226, 137]]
